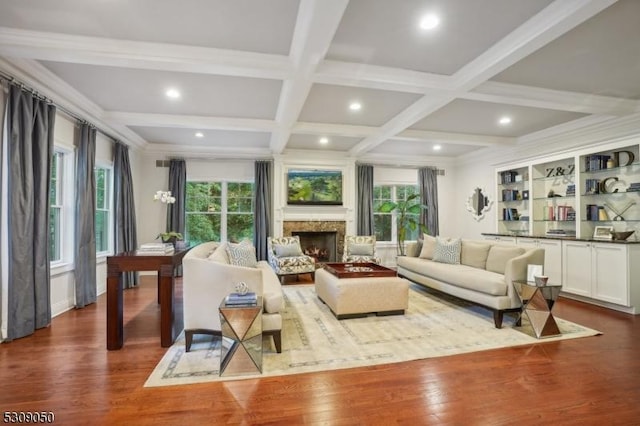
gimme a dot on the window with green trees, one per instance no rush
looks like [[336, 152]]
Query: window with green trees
[[103, 208], [219, 211], [385, 224], [55, 208]]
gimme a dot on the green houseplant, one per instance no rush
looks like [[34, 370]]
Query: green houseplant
[[406, 221], [170, 237]]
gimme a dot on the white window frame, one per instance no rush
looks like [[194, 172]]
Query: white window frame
[[394, 213], [109, 209], [66, 178]]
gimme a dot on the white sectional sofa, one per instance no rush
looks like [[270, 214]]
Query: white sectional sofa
[[208, 276], [484, 275]]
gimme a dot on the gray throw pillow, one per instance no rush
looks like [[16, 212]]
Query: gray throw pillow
[[360, 249], [447, 251], [287, 250]]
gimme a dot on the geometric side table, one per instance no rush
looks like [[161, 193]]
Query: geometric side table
[[537, 303], [241, 327]]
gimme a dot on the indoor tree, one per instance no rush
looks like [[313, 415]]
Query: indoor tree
[[406, 212]]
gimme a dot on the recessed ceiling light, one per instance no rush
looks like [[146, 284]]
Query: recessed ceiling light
[[429, 21], [172, 93], [355, 106], [505, 120], [437, 147], [199, 135], [324, 141]]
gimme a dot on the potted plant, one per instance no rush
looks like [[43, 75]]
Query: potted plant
[[405, 219], [170, 237]]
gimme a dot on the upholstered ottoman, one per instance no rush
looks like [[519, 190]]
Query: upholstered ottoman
[[357, 297]]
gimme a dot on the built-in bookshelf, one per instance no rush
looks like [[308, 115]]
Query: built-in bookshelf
[[513, 202], [610, 195], [571, 196]]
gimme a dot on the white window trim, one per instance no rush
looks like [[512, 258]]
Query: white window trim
[[66, 263], [394, 214], [110, 229]]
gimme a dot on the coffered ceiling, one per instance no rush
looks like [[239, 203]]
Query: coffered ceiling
[[260, 78]]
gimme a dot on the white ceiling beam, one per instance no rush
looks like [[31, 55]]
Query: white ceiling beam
[[143, 55], [329, 129], [453, 138], [189, 121], [316, 24], [514, 94], [379, 77], [556, 19]]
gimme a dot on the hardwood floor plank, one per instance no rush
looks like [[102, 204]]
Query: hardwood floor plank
[[66, 369]]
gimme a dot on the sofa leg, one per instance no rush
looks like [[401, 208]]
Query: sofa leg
[[313, 276], [497, 318], [277, 341], [188, 338]]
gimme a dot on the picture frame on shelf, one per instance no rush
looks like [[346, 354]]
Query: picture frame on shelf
[[603, 233]]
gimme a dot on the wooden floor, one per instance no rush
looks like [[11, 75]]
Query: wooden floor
[[67, 370]]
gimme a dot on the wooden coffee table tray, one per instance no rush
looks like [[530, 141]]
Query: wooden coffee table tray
[[358, 270]]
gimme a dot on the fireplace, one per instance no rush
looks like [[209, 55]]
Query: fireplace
[[327, 234], [322, 246]]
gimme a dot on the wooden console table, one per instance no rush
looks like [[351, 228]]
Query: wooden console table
[[171, 320]]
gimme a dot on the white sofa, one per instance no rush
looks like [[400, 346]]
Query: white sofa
[[208, 277], [484, 276]]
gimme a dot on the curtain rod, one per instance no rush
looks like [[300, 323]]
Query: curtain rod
[[11, 79]]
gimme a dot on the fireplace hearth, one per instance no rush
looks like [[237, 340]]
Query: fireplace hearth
[[323, 240]]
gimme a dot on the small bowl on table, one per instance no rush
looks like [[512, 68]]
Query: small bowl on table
[[622, 235], [541, 280]]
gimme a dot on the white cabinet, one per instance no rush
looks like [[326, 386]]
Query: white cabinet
[[552, 256], [600, 271], [501, 239]]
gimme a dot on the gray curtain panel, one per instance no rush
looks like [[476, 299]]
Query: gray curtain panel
[[428, 183], [30, 148], [262, 214], [126, 237], [365, 199], [85, 245], [3, 103], [178, 186]]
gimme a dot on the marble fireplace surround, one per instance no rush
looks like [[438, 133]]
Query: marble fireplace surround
[[337, 226]]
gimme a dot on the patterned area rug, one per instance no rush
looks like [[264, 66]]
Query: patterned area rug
[[313, 340]]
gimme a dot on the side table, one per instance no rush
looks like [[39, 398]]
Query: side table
[[537, 303], [241, 327]]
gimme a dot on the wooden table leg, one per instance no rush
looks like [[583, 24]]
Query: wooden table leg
[[170, 322], [115, 332]]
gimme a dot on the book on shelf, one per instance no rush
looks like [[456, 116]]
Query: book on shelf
[[595, 162]]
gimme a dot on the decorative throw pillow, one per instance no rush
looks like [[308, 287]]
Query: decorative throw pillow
[[242, 254], [360, 249], [499, 255], [220, 255], [447, 251], [428, 246], [287, 250], [474, 254]]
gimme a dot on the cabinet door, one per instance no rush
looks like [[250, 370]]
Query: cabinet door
[[610, 280], [552, 259], [576, 272]]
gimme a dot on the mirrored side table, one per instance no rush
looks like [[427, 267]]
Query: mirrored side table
[[537, 303], [241, 339]]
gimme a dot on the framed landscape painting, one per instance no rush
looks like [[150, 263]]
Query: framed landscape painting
[[314, 187]]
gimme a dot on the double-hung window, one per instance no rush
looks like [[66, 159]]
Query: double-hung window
[[219, 211], [56, 207], [103, 209], [386, 224]]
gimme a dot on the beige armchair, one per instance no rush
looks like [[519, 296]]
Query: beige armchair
[[360, 249], [286, 258], [208, 277]]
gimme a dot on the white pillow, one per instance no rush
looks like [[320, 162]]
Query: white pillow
[[428, 247], [242, 254], [447, 251]]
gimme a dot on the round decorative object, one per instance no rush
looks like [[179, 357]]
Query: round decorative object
[[242, 288]]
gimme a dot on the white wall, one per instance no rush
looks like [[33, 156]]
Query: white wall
[[469, 177]]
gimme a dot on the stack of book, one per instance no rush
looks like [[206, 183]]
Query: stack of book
[[155, 249], [237, 299], [592, 186], [571, 190], [560, 233], [595, 162], [634, 187]]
